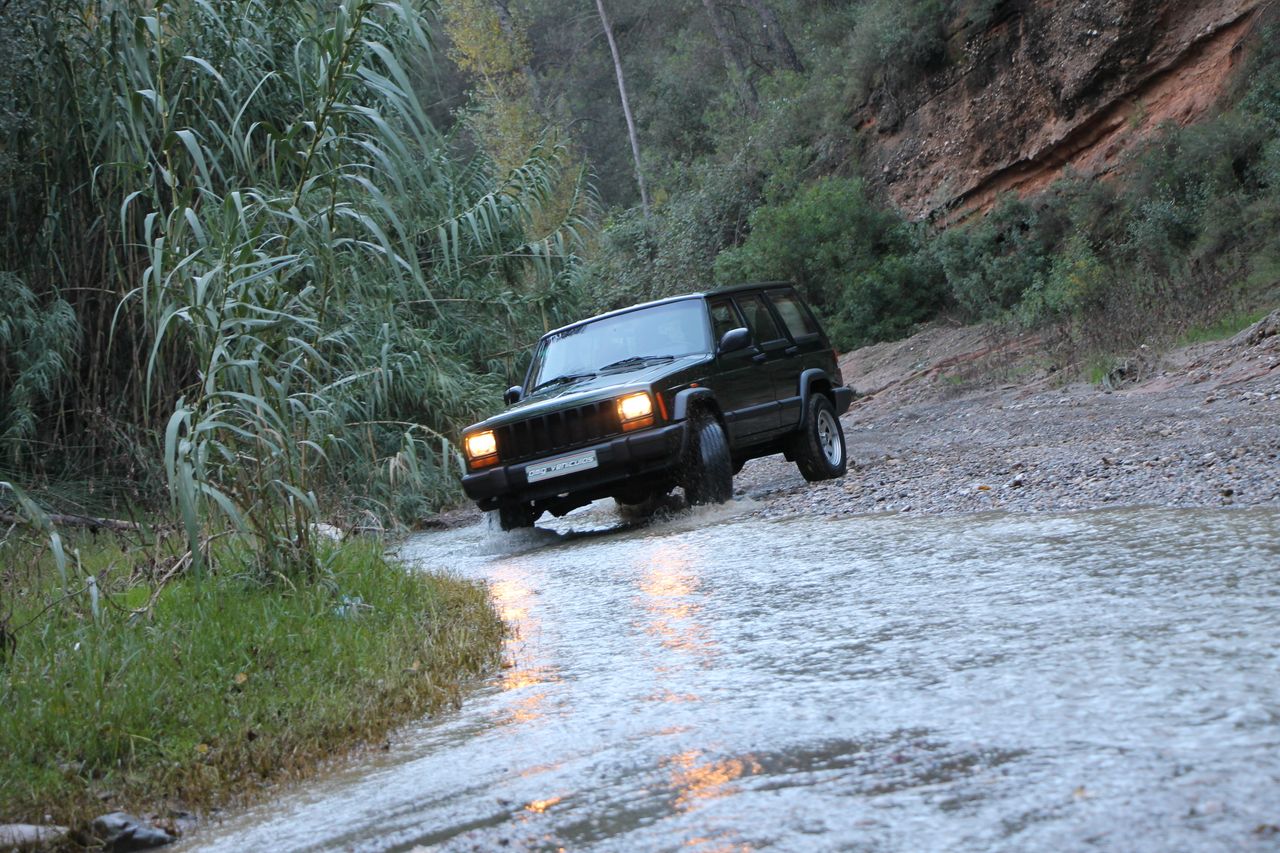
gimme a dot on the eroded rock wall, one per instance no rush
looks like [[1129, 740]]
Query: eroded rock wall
[[1045, 86]]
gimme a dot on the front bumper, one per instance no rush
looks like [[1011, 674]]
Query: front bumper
[[646, 453]]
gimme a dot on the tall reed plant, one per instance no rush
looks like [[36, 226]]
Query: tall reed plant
[[286, 280]]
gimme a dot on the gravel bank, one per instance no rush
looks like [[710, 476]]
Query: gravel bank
[[937, 434]]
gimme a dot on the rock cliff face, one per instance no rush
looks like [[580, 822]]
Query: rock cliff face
[[1045, 86]]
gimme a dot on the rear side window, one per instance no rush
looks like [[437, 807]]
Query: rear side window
[[723, 318], [800, 322], [761, 323]]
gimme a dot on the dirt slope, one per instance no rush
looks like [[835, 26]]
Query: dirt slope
[[1046, 86]]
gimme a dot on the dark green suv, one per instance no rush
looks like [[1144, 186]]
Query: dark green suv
[[680, 392]]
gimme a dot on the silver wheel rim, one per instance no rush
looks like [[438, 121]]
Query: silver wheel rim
[[829, 437]]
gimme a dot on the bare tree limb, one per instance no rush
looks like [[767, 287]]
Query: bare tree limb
[[626, 106], [79, 521]]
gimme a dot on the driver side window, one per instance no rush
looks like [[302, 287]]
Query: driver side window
[[724, 318]]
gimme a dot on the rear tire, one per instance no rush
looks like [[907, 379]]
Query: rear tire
[[514, 517], [708, 470], [818, 448]]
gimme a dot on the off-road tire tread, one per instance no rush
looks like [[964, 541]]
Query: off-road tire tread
[[708, 470], [809, 458]]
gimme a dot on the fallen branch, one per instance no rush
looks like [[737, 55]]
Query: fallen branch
[[77, 521]]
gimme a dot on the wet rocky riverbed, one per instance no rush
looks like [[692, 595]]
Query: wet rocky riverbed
[[717, 680]]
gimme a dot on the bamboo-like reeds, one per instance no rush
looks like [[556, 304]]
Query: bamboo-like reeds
[[239, 263]]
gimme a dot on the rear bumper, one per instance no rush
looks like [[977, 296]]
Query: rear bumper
[[650, 453], [843, 397]]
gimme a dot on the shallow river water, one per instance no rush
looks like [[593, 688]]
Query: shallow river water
[[1105, 680]]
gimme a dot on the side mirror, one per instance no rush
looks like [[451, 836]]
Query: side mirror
[[734, 340], [513, 394]]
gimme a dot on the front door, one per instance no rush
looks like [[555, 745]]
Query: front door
[[769, 350], [744, 390]]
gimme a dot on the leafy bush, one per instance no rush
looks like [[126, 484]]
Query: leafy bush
[[858, 263]]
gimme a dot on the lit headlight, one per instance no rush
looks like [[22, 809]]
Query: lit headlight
[[635, 410], [482, 446]]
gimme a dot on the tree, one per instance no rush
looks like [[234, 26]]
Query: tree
[[778, 41], [732, 61], [626, 106]]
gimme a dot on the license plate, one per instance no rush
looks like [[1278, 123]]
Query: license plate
[[561, 466]]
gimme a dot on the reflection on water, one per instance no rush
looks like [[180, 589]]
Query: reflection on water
[[513, 598], [669, 598], [696, 779], [540, 806], [1016, 683]]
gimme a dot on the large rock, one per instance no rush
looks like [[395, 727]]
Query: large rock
[[120, 831], [26, 836]]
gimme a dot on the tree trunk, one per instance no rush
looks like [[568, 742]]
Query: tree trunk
[[732, 62], [778, 40], [626, 106]]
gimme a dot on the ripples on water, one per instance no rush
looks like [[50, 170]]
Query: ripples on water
[[1100, 680]]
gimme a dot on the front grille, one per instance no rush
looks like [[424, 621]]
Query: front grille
[[562, 430]]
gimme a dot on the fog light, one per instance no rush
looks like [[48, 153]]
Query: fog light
[[635, 410]]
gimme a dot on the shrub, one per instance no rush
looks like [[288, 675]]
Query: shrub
[[858, 263]]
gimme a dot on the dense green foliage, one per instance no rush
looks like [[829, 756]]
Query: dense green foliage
[[150, 693], [248, 269], [861, 265]]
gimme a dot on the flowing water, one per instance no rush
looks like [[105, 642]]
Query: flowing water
[[1105, 680]]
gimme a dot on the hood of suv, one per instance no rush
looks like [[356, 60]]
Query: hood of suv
[[602, 386]]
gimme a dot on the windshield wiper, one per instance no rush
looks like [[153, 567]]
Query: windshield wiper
[[637, 359], [565, 378]]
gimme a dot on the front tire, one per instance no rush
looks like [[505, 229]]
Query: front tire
[[708, 472], [516, 516], [819, 449]]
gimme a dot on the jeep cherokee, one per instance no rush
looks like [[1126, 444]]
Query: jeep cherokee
[[679, 392]]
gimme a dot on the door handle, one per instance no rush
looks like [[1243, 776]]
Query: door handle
[[760, 358], [792, 350]]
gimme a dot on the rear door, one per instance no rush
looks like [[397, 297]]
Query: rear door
[[807, 348]]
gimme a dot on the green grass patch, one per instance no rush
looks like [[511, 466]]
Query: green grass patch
[[202, 690], [1099, 366], [1223, 327]]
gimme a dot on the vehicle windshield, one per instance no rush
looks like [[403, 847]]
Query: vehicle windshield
[[659, 332]]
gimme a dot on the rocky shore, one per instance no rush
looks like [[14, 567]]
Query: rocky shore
[[967, 420]]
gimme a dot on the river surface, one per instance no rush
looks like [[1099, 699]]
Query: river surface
[[711, 681]]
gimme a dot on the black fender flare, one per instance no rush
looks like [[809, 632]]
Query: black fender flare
[[808, 379], [694, 398], [841, 397]]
